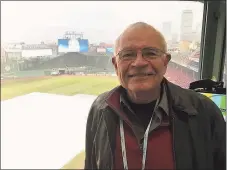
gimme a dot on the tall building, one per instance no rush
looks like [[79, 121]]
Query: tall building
[[166, 30], [186, 25], [198, 32], [174, 37]]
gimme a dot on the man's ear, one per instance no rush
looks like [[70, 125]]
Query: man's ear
[[167, 58], [114, 62]]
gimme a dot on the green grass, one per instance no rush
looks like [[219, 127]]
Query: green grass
[[76, 163], [65, 85]]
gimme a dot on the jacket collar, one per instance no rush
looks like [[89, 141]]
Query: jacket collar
[[163, 103], [179, 98], [176, 97]]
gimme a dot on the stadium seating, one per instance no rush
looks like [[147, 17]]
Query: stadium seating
[[74, 59], [98, 63]]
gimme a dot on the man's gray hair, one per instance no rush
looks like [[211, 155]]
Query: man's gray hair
[[140, 25]]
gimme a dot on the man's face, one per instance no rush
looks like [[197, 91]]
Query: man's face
[[137, 66]]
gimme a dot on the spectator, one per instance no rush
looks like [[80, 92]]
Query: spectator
[[148, 122]]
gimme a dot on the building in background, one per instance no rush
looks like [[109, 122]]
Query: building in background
[[198, 32], [30, 51], [13, 51], [12, 54], [54, 48], [186, 26], [21, 56], [174, 38], [108, 47], [167, 30]]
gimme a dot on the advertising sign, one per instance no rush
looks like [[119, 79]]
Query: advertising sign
[[109, 50], [73, 45], [36, 53], [101, 50]]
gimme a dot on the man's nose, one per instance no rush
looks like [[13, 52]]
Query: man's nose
[[140, 61]]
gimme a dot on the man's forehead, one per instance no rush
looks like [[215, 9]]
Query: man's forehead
[[140, 37], [140, 40]]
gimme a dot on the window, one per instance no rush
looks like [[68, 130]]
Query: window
[[44, 75], [48, 30]]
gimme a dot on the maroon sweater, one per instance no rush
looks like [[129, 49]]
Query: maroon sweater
[[159, 151]]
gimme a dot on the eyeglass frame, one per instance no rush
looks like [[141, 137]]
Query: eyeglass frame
[[156, 49]]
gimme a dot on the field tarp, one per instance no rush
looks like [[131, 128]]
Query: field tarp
[[43, 131]]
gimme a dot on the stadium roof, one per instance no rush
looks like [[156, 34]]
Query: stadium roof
[[93, 53], [37, 46]]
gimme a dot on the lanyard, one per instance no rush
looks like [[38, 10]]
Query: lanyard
[[123, 149]]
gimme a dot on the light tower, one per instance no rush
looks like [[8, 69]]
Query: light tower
[[73, 35]]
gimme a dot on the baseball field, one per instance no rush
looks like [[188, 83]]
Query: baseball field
[[65, 85], [71, 85]]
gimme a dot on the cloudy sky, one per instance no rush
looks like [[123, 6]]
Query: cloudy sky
[[33, 22]]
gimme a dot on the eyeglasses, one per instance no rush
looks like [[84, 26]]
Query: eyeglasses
[[147, 53]]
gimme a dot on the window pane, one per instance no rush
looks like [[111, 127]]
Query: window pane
[[56, 57], [186, 49]]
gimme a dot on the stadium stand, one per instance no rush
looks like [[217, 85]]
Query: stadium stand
[[100, 63], [74, 59]]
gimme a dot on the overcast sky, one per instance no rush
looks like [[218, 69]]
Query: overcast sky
[[33, 22]]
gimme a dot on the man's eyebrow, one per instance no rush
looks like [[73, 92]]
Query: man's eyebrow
[[136, 48]]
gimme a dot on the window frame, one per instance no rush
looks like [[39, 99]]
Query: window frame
[[213, 40]]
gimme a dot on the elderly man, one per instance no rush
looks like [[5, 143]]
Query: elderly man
[[148, 122]]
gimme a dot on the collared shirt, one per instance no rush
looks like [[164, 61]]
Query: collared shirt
[[160, 116]]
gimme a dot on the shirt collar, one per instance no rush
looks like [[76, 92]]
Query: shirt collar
[[163, 104]]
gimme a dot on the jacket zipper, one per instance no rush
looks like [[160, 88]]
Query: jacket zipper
[[173, 140]]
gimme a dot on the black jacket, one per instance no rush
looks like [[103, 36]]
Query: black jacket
[[198, 129]]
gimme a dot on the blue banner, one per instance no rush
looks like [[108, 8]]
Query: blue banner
[[84, 46], [63, 45]]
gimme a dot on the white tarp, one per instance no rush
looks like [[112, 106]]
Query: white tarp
[[42, 131]]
